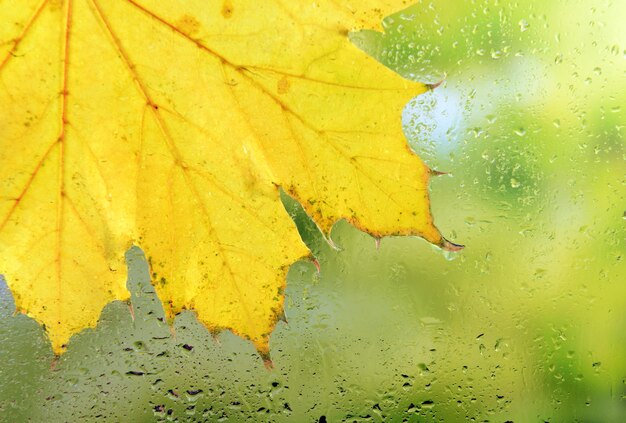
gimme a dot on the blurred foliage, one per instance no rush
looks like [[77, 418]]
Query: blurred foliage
[[526, 324]]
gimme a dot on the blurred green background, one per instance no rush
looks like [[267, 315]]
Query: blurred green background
[[527, 324]]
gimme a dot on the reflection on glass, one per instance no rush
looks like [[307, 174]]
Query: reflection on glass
[[526, 324]]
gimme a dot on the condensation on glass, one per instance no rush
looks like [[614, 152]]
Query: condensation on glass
[[526, 324]]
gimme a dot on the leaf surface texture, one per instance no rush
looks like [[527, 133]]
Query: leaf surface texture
[[172, 125]]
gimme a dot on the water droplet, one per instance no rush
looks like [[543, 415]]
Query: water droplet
[[428, 404], [523, 25]]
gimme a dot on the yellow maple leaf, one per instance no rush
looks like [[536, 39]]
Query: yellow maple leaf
[[172, 125]]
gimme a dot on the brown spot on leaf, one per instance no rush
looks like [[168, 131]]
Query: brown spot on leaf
[[228, 9], [188, 25], [55, 4], [283, 86]]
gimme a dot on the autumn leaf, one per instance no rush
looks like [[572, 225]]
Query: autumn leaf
[[173, 125]]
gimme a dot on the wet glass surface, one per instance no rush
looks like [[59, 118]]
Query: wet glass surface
[[526, 324]]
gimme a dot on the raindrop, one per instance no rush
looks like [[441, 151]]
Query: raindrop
[[523, 25], [428, 404]]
